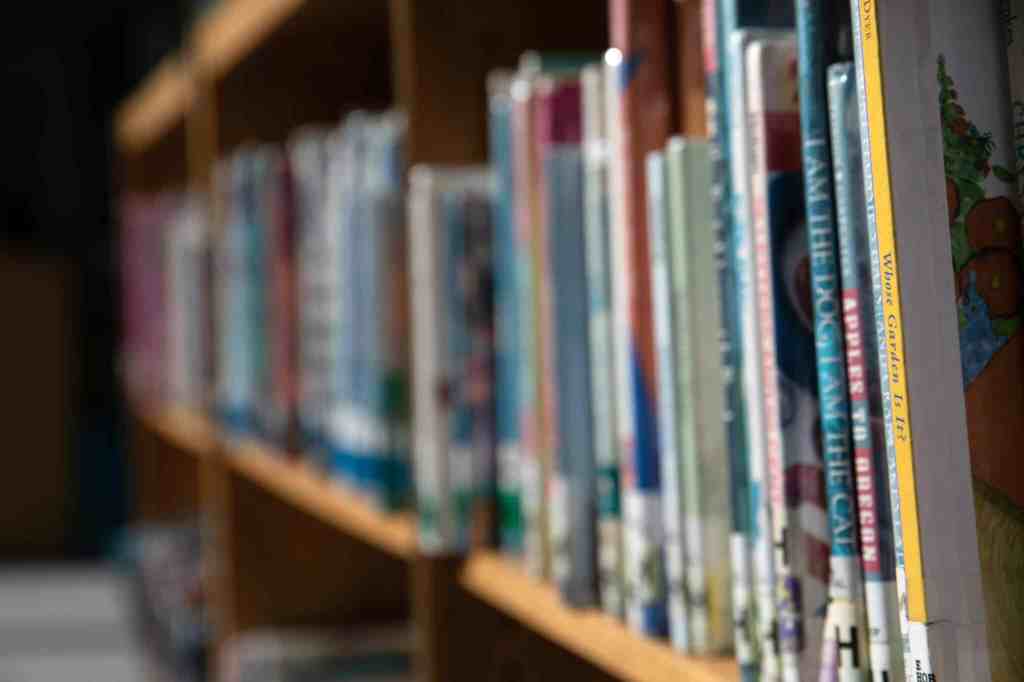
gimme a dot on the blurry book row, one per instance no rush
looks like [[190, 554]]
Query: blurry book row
[[675, 375]]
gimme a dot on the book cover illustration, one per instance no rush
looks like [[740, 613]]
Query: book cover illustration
[[796, 483], [603, 397], [641, 93], [981, 167], [508, 306], [574, 485], [874, 512]]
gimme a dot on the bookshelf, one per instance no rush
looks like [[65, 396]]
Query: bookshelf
[[302, 486], [287, 546]]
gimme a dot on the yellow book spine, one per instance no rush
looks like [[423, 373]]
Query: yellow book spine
[[900, 405]]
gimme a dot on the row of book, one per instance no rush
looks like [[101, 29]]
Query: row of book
[[675, 374]]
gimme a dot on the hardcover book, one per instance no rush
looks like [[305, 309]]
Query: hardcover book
[[950, 135], [874, 511], [788, 372]]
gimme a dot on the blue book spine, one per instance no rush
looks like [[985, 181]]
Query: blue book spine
[[575, 564], [874, 512], [509, 304], [844, 637]]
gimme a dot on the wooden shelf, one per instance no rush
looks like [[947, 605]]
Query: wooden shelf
[[159, 105], [591, 635], [301, 486], [188, 430], [233, 30]]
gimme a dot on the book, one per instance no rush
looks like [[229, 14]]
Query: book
[[280, 420], [641, 96], [701, 433], [535, 463], [715, 55], [820, 30], [874, 511], [668, 402], [448, 226], [796, 487], [185, 248], [316, 256], [509, 305], [763, 435], [603, 399], [573, 490], [954, 59]]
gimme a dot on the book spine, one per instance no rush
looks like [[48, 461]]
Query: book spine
[[547, 396], [429, 337], [637, 30], [796, 484], [753, 329], [667, 405], [881, 239], [704, 465], [734, 418], [874, 515], [508, 303], [844, 654], [535, 514], [574, 540], [603, 401]]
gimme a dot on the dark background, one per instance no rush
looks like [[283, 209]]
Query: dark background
[[65, 67]]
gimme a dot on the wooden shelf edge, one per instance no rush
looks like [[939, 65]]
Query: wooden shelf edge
[[189, 430], [306, 488], [159, 105], [229, 33], [591, 635]]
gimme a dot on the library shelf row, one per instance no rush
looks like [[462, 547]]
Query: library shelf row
[[485, 575]]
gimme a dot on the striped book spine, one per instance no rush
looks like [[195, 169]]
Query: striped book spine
[[603, 401], [874, 514], [637, 30]]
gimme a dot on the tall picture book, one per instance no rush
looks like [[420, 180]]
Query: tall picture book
[[943, 154], [573, 491], [509, 306], [448, 230], [603, 401], [874, 510], [704, 465], [641, 95], [800, 537], [822, 33]]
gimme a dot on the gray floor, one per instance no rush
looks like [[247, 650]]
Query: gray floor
[[66, 622]]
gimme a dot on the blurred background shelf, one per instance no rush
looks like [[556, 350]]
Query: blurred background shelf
[[190, 431], [160, 104], [591, 635], [305, 488]]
